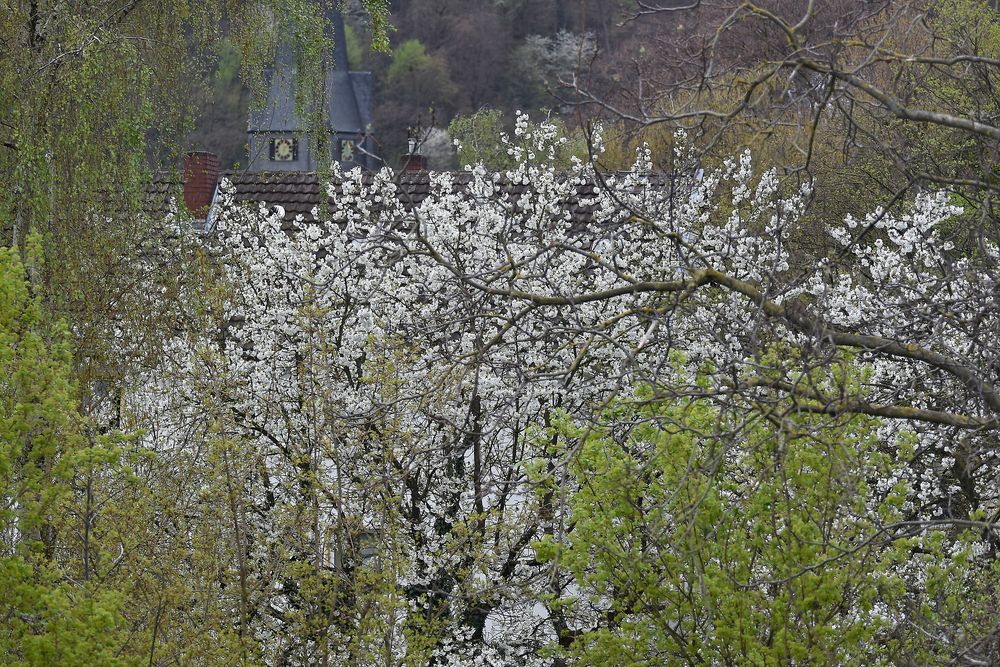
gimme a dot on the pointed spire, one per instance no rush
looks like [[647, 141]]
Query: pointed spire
[[340, 59], [345, 114]]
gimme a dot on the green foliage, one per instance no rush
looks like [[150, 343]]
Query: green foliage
[[379, 26], [55, 623], [406, 57], [478, 137], [754, 536], [228, 68], [355, 49], [90, 92], [92, 95], [419, 76], [48, 619], [37, 413]]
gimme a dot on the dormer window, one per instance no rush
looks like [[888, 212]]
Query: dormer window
[[284, 149]]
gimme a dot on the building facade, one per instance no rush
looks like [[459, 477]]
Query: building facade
[[279, 138]]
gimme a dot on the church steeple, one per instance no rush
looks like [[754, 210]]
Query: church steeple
[[278, 139]]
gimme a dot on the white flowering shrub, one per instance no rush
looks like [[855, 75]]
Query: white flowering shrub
[[395, 377]]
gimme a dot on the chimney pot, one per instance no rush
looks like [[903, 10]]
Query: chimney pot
[[201, 174], [413, 162]]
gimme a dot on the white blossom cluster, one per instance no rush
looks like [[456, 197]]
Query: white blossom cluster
[[406, 360]]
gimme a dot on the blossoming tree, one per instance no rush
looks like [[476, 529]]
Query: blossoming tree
[[482, 430]]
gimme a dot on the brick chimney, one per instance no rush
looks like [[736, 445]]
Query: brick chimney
[[201, 174], [413, 161]]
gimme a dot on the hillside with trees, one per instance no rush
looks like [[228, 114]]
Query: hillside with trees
[[697, 362]]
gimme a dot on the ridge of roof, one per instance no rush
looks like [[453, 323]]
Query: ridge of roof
[[299, 192]]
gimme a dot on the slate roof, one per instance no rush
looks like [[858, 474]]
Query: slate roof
[[346, 112], [348, 93], [278, 114]]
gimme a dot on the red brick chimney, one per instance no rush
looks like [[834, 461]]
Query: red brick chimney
[[201, 174], [412, 161]]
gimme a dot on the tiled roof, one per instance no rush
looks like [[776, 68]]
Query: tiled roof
[[296, 191], [299, 192], [160, 191]]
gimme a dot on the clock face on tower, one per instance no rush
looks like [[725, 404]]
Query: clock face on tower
[[284, 149]]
